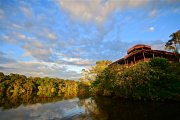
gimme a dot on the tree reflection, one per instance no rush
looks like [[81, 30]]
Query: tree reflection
[[15, 100], [101, 108]]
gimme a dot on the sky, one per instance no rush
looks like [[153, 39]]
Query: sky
[[59, 38]]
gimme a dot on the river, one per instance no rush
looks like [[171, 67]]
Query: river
[[99, 108]]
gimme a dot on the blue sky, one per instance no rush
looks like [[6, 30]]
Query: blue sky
[[58, 38]]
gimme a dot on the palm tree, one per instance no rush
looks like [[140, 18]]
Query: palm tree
[[172, 43]]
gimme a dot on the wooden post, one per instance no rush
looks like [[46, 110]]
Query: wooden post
[[134, 59], [144, 56], [153, 55]]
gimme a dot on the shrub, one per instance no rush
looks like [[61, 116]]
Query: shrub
[[161, 63]]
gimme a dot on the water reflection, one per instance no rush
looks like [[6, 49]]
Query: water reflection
[[58, 108], [115, 109]]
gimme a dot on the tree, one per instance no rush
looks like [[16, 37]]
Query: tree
[[172, 43], [91, 73]]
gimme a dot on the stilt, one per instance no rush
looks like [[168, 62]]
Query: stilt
[[134, 59], [144, 56]]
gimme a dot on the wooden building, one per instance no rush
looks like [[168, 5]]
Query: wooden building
[[144, 53]]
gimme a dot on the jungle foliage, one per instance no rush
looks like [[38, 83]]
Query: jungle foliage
[[14, 85], [154, 80]]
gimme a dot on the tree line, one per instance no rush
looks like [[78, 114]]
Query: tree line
[[17, 85]]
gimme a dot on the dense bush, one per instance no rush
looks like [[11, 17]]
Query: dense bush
[[155, 80]]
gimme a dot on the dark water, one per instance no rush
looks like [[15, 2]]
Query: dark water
[[44, 108]]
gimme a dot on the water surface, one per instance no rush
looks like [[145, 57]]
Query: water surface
[[87, 109]]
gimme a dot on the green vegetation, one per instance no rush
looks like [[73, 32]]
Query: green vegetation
[[154, 80], [89, 75], [14, 85], [83, 89]]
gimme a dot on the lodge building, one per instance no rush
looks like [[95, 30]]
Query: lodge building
[[144, 53]]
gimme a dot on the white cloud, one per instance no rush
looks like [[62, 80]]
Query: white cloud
[[26, 10], [51, 36], [38, 50], [96, 10], [151, 28], [16, 26], [78, 61], [21, 36], [5, 58], [157, 45], [153, 13], [16, 38], [41, 69], [1, 13]]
